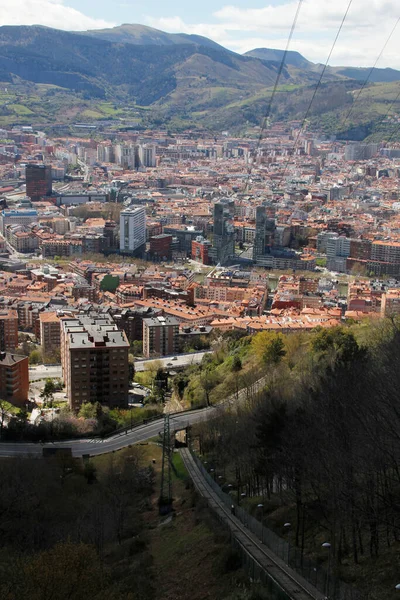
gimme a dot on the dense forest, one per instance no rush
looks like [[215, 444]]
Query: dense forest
[[320, 445], [78, 531], [66, 529]]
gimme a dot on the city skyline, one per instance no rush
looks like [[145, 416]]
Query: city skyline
[[237, 26]]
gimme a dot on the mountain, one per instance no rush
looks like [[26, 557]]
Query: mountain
[[140, 76], [292, 58], [148, 36], [295, 59], [144, 73], [362, 73]]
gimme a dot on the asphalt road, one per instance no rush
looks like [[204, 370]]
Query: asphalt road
[[95, 447], [41, 372], [183, 360]]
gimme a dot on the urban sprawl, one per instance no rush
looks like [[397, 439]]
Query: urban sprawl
[[163, 240]]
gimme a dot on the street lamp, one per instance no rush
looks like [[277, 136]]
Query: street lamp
[[260, 508], [397, 587], [327, 545], [288, 526]]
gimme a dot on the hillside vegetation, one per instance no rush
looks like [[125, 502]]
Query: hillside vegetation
[[135, 76], [319, 447]]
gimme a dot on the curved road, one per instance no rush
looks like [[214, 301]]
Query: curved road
[[94, 446]]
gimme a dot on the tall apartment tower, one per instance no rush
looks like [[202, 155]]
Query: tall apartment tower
[[160, 336], [14, 378], [38, 181], [8, 330], [259, 238], [147, 155], [223, 232], [132, 229], [360, 151], [94, 358], [50, 332]]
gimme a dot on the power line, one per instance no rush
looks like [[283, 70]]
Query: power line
[[393, 134], [280, 70], [390, 108], [317, 87], [370, 73], [395, 131]]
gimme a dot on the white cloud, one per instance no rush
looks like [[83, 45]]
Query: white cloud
[[177, 25], [365, 31], [51, 13], [321, 15]]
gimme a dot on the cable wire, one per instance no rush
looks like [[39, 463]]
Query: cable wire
[[317, 87], [268, 112], [393, 134], [369, 74], [395, 130]]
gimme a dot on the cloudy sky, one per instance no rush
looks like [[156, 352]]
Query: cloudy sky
[[240, 25]]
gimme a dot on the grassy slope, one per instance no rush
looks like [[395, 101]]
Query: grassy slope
[[43, 103], [187, 553], [200, 99]]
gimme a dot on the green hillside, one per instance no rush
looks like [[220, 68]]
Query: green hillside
[[137, 76]]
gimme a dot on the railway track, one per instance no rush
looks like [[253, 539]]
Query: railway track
[[276, 569]]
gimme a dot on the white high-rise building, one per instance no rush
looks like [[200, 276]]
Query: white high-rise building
[[147, 155], [132, 228]]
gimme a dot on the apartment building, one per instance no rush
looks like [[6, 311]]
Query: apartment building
[[337, 252], [147, 155], [21, 216], [200, 249], [160, 336], [131, 321], [8, 330], [132, 229], [38, 181], [60, 247], [21, 239], [94, 358], [160, 246], [50, 332], [388, 252], [390, 303], [14, 378]]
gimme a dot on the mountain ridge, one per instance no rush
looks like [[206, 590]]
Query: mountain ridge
[[132, 33], [292, 57]]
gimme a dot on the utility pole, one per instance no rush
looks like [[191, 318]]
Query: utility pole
[[165, 500]]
